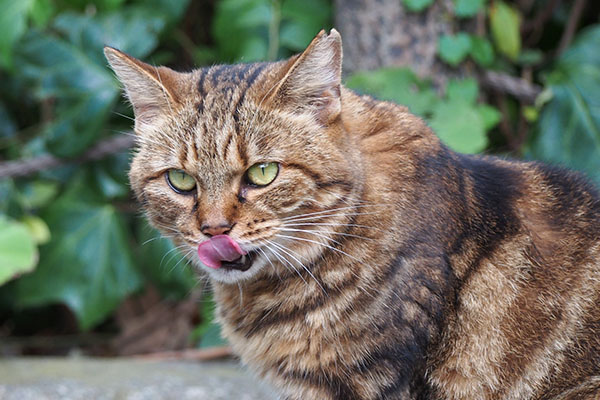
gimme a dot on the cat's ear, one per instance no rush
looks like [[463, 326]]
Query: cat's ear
[[151, 90], [313, 78]]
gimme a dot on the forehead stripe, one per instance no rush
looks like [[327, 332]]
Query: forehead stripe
[[216, 73], [203, 73], [249, 81]]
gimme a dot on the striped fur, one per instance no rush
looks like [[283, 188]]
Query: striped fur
[[387, 266]]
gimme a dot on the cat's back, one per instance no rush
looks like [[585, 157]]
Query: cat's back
[[523, 242], [527, 316]]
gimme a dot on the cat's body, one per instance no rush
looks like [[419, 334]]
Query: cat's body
[[384, 266]]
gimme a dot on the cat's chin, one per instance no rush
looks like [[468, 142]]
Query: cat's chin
[[240, 270]]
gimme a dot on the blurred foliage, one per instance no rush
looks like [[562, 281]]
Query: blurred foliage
[[455, 117], [568, 130], [71, 234]]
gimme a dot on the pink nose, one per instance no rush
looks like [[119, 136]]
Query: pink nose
[[210, 230]]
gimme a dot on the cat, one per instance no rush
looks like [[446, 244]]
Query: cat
[[354, 256]]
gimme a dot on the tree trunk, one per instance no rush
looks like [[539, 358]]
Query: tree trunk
[[380, 33]]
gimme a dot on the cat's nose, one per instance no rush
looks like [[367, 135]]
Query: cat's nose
[[214, 230]]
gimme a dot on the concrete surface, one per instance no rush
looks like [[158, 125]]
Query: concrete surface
[[127, 379]]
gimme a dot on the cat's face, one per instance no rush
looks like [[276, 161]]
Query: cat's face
[[239, 165]]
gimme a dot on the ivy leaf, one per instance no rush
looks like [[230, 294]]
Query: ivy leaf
[[399, 85], [467, 8], [417, 5], [490, 115], [301, 21], [13, 23], [8, 128], [454, 48], [460, 126], [41, 12], [482, 51], [465, 90], [568, 128], [69, 70], [87, 264], [505, 24], [240, 29], [38, 230], [171, 9], [18, 254]]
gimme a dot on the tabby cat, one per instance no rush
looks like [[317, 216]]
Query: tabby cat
[[353, 255]]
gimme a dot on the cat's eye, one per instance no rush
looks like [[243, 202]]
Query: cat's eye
[[180, 181], [262, 174]]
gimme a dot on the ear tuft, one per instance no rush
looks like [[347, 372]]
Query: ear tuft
[[314, 77], [151, 90]]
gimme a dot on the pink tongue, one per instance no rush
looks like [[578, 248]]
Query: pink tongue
[[219, 248]]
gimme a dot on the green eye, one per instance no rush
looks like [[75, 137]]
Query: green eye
[[262, 174], [180, 181]]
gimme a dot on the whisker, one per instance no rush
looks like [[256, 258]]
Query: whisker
[[334, 224], [325, 236], [316, 217], [150, 240], [241, 296], [320, 243], [123, 115], [269, 261], [287, 251], [170, 251], [335, 209], [183, 257], [285, 260]]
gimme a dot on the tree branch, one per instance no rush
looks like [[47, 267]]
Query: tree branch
[[102, 149], [523, 90]]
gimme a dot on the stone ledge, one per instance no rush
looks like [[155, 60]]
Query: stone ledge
[[127, 379]]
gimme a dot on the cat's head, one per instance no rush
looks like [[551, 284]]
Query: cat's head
[[243, 159]]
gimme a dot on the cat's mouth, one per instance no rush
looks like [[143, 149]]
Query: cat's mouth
[[243, 263]]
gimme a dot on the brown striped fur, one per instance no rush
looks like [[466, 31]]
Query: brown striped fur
[[420, 273]]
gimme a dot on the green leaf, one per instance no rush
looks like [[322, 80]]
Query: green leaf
[[13, 23], [460, 126], [8, 128], [467, 8], [568, 128], [70, 70], [41, 12], [9, 198], [295, 36], [88, 263], [505, 24], [301, 21], [482, 51], [417, 5], [530, 57], [170, 10], [37, 193], [18, 254], [465, 90], [38, 230], [531, 113], [490, 115], [400, 85], [454, 48], [240, 29]]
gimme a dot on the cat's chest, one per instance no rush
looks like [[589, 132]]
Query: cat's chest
[[313, 341]]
